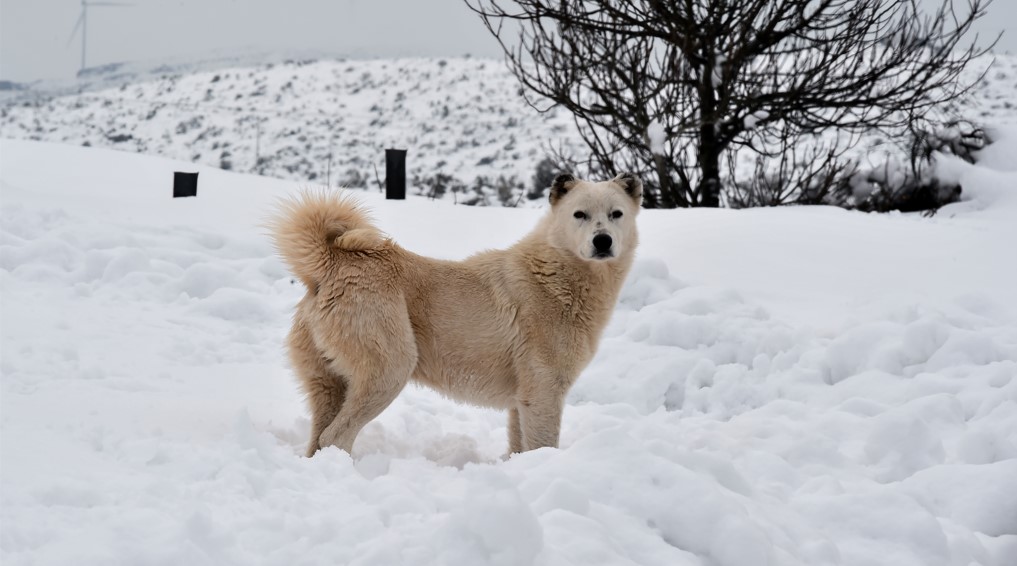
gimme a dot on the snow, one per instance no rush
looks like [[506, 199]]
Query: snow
[[756, 117], [655, 133], [717, 77], [777, 387]]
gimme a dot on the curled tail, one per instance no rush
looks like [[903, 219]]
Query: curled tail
[[312, 231]]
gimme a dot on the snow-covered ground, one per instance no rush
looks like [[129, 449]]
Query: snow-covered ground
[[777, 386]]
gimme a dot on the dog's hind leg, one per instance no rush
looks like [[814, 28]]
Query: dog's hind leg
[[324, 388], [379, 358], [364, 401], [325, 397]]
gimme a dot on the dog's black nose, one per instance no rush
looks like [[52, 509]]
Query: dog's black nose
[[602, 242]]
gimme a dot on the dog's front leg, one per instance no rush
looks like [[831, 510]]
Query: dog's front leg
[[540, 420], [515, 432]]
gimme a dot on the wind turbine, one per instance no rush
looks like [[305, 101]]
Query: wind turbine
[[82, 24]]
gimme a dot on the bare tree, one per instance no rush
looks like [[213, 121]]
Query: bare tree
[[668, 87]]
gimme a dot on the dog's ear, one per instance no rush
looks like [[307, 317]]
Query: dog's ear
[[631, 184], [561, 185]]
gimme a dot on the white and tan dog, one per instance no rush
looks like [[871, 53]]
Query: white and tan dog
[[509, 329]]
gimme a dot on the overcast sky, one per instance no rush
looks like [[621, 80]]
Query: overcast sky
[[34, 33]]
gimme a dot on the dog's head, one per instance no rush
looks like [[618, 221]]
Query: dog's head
[[596, 221]]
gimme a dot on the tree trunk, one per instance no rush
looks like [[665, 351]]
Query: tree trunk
[[709, 148], [669, 197], [708, 191], [709, 167]]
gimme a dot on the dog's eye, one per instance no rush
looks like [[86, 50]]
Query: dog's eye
[[580, 215], [616, 214]]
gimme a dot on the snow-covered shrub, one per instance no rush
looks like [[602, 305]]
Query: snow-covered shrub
[[506, 191], [484, 190], [813, 178], [957, 137], [892, 188], [547, 168], [888, 177], [353, 178], [436, 185], [906, 180]]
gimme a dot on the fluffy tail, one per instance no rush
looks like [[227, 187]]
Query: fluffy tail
[[313, 230]]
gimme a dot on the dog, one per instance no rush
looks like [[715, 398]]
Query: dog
[[510, 329]]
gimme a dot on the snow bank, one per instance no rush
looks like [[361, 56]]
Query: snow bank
[[790, 386]]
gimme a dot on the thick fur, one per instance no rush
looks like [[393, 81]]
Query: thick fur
[[509, 329]]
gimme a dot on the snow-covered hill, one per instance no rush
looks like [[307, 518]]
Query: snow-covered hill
[[791, 386], [462, 120], [314, 121]]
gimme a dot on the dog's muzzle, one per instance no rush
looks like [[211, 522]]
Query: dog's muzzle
[[602, 246]]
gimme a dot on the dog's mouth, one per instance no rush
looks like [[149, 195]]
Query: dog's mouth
[[602, 255]]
